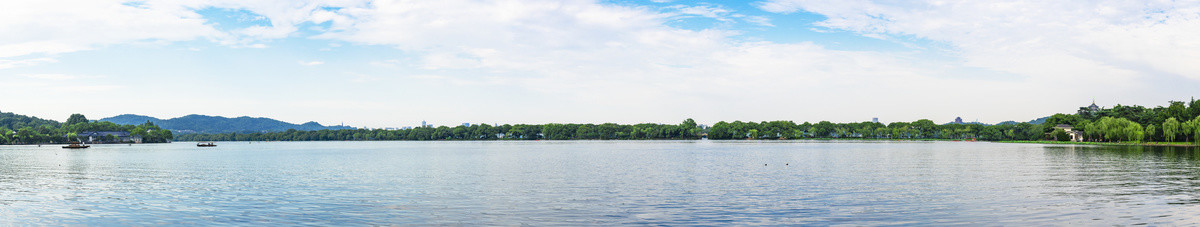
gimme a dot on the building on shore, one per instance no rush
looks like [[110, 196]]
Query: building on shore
[[109, 137], [1076, 136]]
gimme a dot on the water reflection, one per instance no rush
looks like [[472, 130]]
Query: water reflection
[[1128, 184], [601, 183]]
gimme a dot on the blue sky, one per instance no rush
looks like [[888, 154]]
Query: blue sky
[[395, 63]]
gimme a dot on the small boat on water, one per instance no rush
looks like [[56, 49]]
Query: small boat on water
[[208, 144], [76, 145]]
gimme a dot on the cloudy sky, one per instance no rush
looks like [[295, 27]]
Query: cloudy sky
[[395, 63]]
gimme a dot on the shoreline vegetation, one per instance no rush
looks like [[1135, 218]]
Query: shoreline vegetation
[[23, 130], [1149, 144], [1177, 124]]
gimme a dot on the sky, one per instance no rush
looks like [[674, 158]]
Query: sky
[[395, 63]]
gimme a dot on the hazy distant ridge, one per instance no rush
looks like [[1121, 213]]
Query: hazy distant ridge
[[217, 124]]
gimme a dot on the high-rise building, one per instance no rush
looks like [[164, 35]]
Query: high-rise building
[[875, 119]]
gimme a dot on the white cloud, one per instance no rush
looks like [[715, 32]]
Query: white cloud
[[51, 27], [63, 26], [50, 76], [391, 63], [625, 57], [709, 11], [4, 64], [599, 61], [759, 20], [1117, 42]]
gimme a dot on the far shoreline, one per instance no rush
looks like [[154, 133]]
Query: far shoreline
[[1154, 144], [1151, 144]]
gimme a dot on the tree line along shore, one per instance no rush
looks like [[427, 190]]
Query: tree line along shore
[[19, 129], [1175, 124]]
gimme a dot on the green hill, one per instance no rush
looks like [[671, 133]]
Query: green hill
[[217, 124], [11, 121]]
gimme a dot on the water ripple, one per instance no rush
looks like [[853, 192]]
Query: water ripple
[[600, 183]]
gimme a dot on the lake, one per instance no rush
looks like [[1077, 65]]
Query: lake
[[600, 183]]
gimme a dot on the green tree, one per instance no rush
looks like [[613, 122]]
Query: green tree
[[1065, 119], [1177, 110], [688, 123], [1193, 127], [1117, 129], [25, 135], [76, 119], [721, 131], [1060, 135], [1151, 132], [1170, 129], [925, 128]]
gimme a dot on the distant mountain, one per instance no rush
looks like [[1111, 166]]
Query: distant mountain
[[1007, 123], [130, 119], [968, 123], [217, 124], [1034, 121], [1039, 120]]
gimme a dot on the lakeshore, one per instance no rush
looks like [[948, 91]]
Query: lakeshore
[[1152, 144]]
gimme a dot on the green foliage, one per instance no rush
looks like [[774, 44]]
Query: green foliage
[[14, 121], [76, 119], [1114, 130], [31, 130], [1192, 127], [553, 131], [1170, 128], [1150, 116], [1060, 135], [1116, 124], [921, 129], [1057, 119], [1152, 133]]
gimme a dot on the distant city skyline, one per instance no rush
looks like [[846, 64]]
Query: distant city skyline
[[381, 64]]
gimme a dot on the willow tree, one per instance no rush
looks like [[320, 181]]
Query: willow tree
[[1151, 131], [1170, 129], [1192, 127]]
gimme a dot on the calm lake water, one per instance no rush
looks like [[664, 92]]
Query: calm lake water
[[600, 183]]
